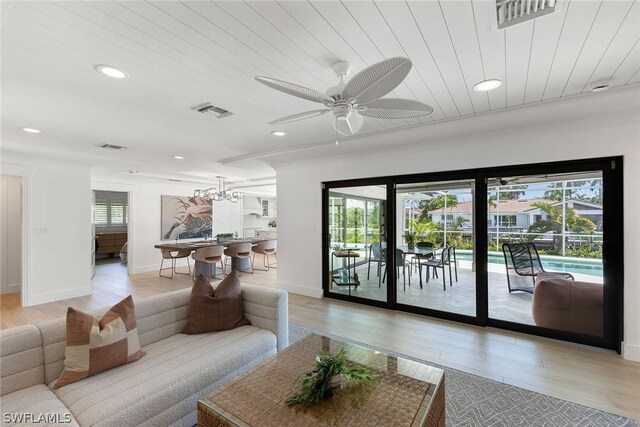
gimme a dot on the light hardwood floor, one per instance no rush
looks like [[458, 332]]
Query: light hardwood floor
[[581, 374]]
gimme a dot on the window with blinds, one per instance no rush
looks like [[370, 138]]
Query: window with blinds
[[108, 213]]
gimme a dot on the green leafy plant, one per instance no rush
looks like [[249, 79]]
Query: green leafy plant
[[316, 384], [224, 235], [410, 237]]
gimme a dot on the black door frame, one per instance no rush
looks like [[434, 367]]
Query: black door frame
[[613, 261]]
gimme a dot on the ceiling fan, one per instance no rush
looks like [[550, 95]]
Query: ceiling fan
[[360, 96]]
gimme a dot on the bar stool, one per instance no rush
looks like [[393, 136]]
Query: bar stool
[[210, 256], [239, 253], [266, 248], [167, 254]]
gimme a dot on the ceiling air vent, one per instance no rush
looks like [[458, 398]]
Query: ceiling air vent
[[113, 147], [511, 12], [220, 113]]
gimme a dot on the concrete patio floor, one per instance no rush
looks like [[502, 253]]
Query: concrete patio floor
[[458, 298]]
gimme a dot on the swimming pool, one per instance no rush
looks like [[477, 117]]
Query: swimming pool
[[591, 267]]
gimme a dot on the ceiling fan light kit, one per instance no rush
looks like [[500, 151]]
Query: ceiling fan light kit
[[360, 96]]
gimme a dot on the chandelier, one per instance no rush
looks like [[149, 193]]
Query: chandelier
[[220, 193]]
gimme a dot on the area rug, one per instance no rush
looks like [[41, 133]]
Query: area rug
[[476, 401]]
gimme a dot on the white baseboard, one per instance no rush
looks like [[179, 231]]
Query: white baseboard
[[12, 288], [631, 352], [301, 290], [57, 296]]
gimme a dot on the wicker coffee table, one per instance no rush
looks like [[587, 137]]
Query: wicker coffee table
[[406, 393]]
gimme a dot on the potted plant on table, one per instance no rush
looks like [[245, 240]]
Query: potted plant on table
[[223, 237], [327, 374], [410, 237]]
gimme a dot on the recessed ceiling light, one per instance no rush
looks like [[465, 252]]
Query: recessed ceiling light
[[110, 71], [278, 133], [599, 88], [487, 85], [178, 157], [30, 130]]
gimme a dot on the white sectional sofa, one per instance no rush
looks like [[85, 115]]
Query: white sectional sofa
[[160, 389]]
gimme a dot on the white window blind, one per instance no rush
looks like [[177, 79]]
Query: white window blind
[[101, 215], [117, 213], [108, 213]]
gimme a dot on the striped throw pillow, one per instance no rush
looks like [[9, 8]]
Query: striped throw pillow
[[98, 345]]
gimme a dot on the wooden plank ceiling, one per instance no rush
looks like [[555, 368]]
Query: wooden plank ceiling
[[217, 47]]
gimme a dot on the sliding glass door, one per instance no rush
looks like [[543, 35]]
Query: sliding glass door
[[435, 246], [356, 242], [545, 237], [532, 248]]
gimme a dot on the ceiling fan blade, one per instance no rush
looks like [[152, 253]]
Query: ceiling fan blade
[[377, 80], [300, 116], [396, 108], [295, 90]]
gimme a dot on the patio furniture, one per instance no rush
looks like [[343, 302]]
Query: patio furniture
[[400, 263], [239, 254], [167, 254], [568, 305], [523, 264], [208, 257], [350, 277], [442, 262], [454, 260], [425, 256], [266, 248], [375, 255]]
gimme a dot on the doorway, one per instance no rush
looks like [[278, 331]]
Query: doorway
[[11, 226], [531, 248], [110, 232]]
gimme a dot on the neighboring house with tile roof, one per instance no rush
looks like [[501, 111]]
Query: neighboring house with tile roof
[[517, 214]]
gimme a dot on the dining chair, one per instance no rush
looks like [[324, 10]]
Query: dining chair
[[210, 256], [418, 257], [375, 255], [441, 262], [167, 254], [400, 263], [266, 248], [237, 253], [453, 260]]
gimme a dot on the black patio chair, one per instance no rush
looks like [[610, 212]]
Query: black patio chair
[[523, 265], [442, 262]]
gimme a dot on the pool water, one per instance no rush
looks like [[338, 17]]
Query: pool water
[[588, 267]]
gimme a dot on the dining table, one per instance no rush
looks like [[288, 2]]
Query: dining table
[[420, 253], [210, 269]]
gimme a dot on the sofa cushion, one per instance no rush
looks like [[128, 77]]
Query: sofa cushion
[[95, 346], [176, 369], [38, 403], [21, 360], [215, 310]]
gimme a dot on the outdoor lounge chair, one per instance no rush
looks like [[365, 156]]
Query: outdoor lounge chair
[[523, 266]]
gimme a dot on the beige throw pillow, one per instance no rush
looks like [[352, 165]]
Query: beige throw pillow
[[98, 345], [218, 310]]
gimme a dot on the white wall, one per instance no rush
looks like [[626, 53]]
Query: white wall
[[227, 217], [10, 234], [299, 193], [57, 228], [144, 216]]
